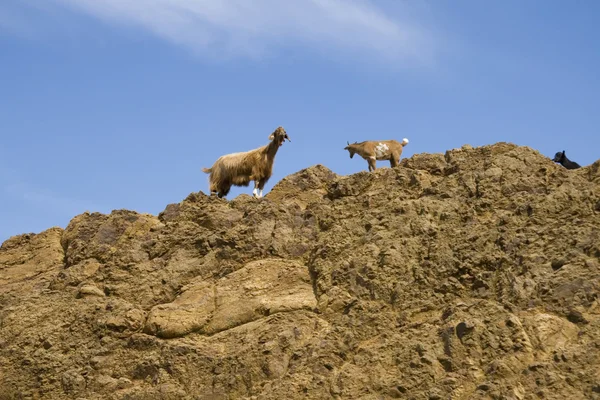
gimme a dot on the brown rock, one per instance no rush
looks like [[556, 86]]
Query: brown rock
[[466, 275], [90, 290], [260, 289], [29, 260]]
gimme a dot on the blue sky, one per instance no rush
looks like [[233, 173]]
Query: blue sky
[[111, 104]]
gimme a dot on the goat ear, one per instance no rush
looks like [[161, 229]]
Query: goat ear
[[271, 136]]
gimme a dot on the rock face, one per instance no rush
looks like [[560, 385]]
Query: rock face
[[469, 275]]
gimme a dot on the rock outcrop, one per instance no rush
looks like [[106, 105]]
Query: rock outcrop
[[473, 274]]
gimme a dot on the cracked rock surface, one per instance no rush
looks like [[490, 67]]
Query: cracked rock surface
[[473, 274]]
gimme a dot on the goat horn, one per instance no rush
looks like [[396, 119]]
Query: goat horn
[[348, 142]]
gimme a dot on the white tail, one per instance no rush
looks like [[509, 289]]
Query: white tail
[[405, 141]]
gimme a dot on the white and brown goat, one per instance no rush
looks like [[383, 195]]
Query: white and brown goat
[[373, 150], [239, 169]]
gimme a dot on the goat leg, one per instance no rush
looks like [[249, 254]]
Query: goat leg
[[372, 163]]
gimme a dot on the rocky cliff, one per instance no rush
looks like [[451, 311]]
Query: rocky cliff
[[473, 274]]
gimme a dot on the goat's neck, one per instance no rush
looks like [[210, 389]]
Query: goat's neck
[[271, 149]]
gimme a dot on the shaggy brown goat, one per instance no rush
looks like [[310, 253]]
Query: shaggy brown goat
[[239, 169], [373, 150]]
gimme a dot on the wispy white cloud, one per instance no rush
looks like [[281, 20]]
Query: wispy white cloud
[[254, 28]]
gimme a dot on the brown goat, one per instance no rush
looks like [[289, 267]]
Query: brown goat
[[239, 169], [373, 150]]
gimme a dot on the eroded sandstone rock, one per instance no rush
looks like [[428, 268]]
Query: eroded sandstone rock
[[259, 289], [472, 274]]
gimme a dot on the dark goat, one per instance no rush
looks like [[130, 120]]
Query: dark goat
[[562, 159]]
